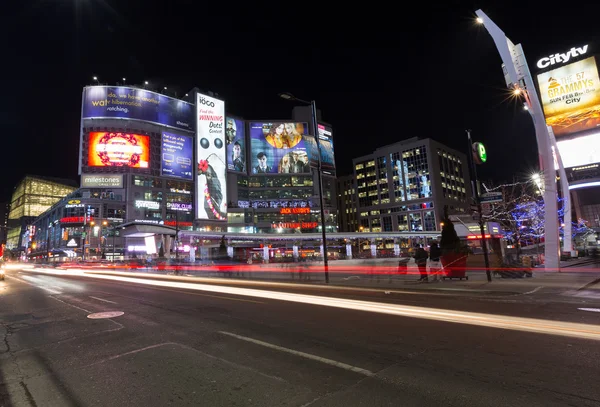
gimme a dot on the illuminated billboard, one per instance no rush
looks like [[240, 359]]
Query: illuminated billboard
[[580, 151], [235, 136], [211, 188], [108, 149], [121, 102], [571, 97], [278, 148], [176, 156]]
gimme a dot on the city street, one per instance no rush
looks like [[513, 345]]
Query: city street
[[174, 346]]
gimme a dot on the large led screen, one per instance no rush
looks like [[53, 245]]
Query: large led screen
[[571, 97], [108, 149], [211, 188], [177, 156], [278, 148], [580, 151], [137, 104], [235, 136]]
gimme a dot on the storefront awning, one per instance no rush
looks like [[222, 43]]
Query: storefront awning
[[137, 229]]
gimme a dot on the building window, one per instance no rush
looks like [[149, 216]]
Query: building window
[[403, 223], [416, 173], [429, 218], [416, 224], [387, 223]]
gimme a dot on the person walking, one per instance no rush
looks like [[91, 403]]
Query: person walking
[[434, 261], [421, 257]]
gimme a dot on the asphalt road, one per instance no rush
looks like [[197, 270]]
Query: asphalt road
[[176, 346]]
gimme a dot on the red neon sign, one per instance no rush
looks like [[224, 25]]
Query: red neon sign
[[295, 225], [74, 219], [478, 236], [288, 211], [173, 223]]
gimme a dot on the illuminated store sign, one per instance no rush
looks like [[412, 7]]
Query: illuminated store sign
[[274, 204], [288, 211], [561, 58], [295, 225], [180, 191], [74, 203], [74, 219], [179, 206], [147, 204]]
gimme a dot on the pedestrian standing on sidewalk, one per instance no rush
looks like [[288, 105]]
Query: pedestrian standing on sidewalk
[[434, 261], [421, 257]]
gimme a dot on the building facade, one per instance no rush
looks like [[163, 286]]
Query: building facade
[[347, 204], [32, 196], [405, 186], [283, 195]]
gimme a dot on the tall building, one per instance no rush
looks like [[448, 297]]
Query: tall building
[[405, 186], [347, 204], [4, 211], [276, 189], [32, 196]]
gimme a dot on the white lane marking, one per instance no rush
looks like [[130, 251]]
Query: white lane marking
[[589, 309], [71, 305], [302, 354], [37, 286], [102, 299], [534, 290]]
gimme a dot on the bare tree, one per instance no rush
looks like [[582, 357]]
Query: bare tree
[[520, 214]]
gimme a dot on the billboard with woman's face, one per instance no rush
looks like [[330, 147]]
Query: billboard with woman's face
[[278, 148], [235, 138]]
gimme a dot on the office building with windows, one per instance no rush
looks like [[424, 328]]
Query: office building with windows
[[32, 196], [405, 186], [347, 203]]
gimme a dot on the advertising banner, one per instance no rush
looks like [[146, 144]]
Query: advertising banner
[[136, 104], [571, 97], [177, 156], [278, 148], [235, 136], [327, 156], [101, 181], [108, 149], [211, 188]]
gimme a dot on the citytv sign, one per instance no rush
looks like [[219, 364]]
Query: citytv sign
[[561, 58]]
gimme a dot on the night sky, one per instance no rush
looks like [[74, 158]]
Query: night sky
[[379, 75]]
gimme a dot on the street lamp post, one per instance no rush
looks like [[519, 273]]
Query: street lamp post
[[519, 79], [315, 125]]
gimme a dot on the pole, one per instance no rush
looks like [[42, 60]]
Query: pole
[[176, 235], [114, 230], [475, 186], [84, 236], [313, 106]]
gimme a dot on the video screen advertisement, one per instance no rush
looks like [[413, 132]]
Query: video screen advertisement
[[235, 137], [211, 185], [278, 148], [110, 149], [177, 156], [570, 97], [580, 151], [136, 104]]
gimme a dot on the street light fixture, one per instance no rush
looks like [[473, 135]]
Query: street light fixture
[[313, 105]]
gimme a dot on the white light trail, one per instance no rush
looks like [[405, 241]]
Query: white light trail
[[569, 329]]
